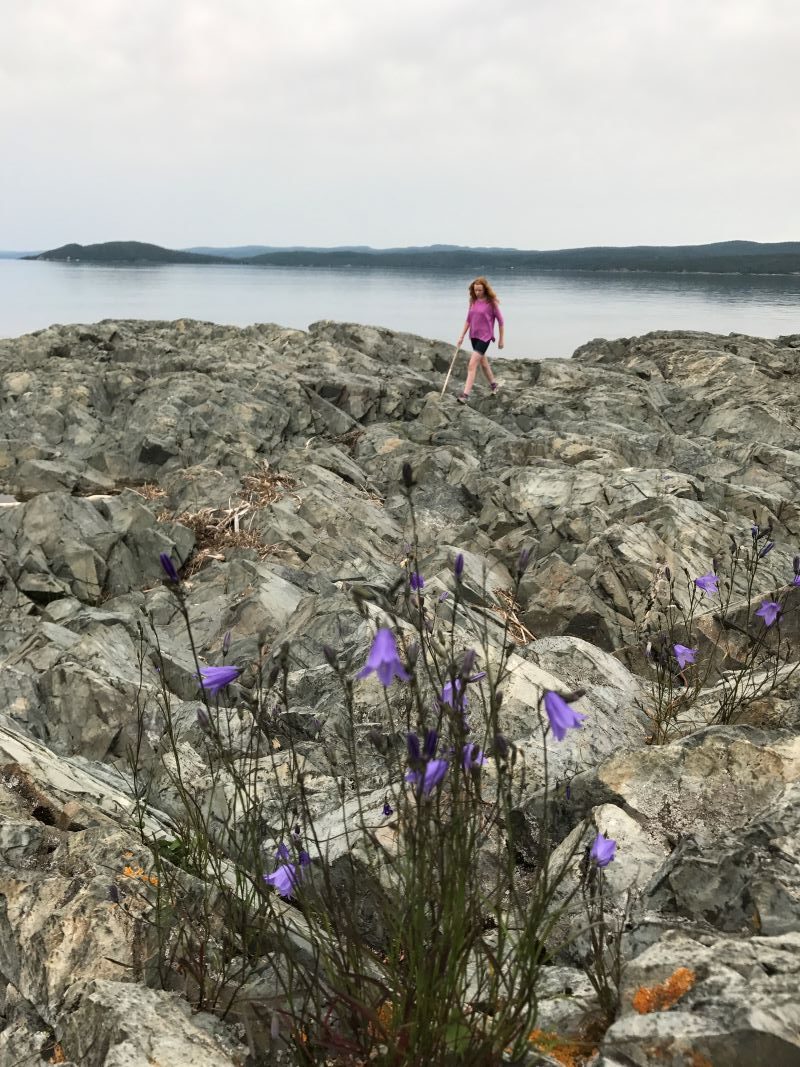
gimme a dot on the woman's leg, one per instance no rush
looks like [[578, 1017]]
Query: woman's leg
[[474, 360], [487, 370]]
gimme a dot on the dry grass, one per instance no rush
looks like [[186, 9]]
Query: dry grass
[[218, 530], [150, 491], [265, 486], [518, 631]]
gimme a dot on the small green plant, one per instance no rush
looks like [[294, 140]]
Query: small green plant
[[408, 937], [715, 637]]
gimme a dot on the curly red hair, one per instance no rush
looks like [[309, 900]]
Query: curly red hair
[[488, 293]]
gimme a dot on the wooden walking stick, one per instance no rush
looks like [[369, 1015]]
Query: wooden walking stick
[[450, 369]]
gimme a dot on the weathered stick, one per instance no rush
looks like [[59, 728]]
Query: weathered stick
[[450, 369]]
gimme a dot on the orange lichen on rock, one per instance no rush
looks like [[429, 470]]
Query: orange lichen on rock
[[140, 873], [665, 995], [562, 1050]]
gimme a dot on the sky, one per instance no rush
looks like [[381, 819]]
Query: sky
[[517, 123]]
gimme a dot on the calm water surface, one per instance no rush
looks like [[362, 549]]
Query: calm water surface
[[547, 314]]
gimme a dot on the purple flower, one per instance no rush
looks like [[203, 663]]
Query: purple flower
[[416, 581], [284, 878], [430, 744], [443, 596], [454, 694], [796, 580], [684, 655], [282, 852], [707, 583], [426, 780], [414, 753], [768, 547], [562, 717], [523, 560], [168, 567], [384, 660], [769, 612], [304, 858], [458, 566], [387, 809], [472, 757], [603, 850], [212, 679]]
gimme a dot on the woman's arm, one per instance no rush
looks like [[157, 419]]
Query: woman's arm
[[501, 327], [463, 333]]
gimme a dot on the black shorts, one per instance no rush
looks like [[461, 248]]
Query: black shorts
[[478, 345]]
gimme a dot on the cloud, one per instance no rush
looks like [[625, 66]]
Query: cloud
[[527, 122]]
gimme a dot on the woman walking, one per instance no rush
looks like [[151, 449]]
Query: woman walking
[[482, 314]]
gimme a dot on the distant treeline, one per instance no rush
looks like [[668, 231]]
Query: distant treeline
[[744, 257]]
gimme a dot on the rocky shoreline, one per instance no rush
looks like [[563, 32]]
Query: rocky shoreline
[[270, 462]]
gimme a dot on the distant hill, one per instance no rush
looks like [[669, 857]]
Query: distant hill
[[119, 252], [725, 257], [17, 255]]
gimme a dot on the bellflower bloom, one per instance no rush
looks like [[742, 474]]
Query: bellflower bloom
[[769, 612], [603, 850], [562, 717], [282, 852], [430, 745], [387, 809], [768, 547], [455, 694], [384, 660], [796, 580], [426, 780], [684, 655], [284, 878], [443, 596], [416, 581], [168, 567], [458, 566], [707, 583], [472, 757], [304, 858], [414, 753], [212, 679]]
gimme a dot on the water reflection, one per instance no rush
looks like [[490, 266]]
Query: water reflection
[[548, 313]]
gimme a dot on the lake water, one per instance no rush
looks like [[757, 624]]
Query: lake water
[[547, 314]]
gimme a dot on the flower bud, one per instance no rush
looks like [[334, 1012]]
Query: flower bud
[[168, 567], [458, 566], [408, 476], [523, 560]]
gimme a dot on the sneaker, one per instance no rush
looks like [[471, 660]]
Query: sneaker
[[494, 387], [464, 398]]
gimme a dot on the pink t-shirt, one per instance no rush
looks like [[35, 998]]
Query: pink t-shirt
[[481, 317]]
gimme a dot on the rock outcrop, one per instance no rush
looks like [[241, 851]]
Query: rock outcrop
[[269, 462]]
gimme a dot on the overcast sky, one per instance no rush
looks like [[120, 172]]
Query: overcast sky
[[525, 123]]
